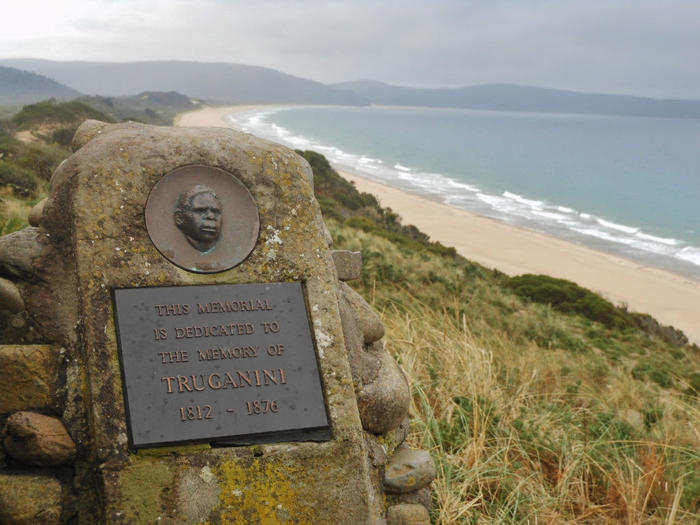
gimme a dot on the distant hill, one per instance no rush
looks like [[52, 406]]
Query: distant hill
[[152, 107], [22, 87], [218, 82], [510, 97], [213, 82]]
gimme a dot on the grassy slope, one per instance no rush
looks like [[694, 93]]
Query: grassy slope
[[26, 167], [531, 412]]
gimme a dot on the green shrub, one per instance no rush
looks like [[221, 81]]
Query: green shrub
[[20, 179], [51, 111], [568, 297], [646, 370], [8, 145], [42, 159], [64, 136], [694, 388]]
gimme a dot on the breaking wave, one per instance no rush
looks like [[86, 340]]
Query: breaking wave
[[508, 206]]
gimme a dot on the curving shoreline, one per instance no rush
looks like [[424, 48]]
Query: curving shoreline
[[671, 298]]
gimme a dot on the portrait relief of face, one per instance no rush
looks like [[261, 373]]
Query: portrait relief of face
[[198, 215]]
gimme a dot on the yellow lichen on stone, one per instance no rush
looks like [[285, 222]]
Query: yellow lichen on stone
[[142, 484], [262, 493]]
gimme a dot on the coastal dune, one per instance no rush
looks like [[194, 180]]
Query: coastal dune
[[671, 298]]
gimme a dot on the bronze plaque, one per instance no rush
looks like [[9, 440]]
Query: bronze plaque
[[226, 364], [202, 218]]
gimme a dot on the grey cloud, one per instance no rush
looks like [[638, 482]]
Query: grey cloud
[[636, 47]]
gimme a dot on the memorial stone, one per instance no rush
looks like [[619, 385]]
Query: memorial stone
[[205, 359], [99, 222]]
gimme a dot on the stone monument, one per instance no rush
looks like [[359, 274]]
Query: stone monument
[[179, 346]]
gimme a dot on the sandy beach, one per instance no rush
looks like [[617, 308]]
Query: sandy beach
[[672, 299]]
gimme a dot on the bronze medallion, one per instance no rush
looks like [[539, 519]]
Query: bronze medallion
[[202, 219]]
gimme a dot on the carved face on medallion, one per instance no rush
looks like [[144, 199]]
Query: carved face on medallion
[[202, 218], [198, 216]]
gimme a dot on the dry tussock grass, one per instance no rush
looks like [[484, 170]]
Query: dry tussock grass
[[499, 472]]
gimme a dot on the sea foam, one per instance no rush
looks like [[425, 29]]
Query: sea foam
[[508, 206]]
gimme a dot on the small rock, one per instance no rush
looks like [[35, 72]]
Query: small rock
[[367, 319], [422, 497], [348, 264], [409, 470], [35, 214], [28, 499], [383, 403], [354, 340], [87, 131], [18, 250], [40, 440], [406, 514], [28, 377], [10, 298]]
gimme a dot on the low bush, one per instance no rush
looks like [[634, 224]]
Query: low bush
[[64, 136], [568, 297], [41, 159], [21, 180], [58, 112]]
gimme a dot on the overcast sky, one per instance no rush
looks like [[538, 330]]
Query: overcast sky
[[640, 47]]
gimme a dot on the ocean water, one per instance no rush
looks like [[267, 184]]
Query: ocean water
[[625, 185]]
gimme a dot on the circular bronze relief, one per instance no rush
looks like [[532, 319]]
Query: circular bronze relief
[[202, 219]]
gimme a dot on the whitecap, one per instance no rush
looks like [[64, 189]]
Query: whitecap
[[616, 226], [462, 186], [399, 167], [498, 203], [597, 233], [550, 215], [689, 254], [523, 200], [654, 238]]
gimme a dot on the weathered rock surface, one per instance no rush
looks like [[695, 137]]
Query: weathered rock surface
[[35, 214], [419, 497], [87, 131], [10, 298], [367, 319], [396, 436], [383, 402], [35, 439], [18, 251], [28, 377], [409, 470], [348, 264], [30, 499], [407, 514]]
